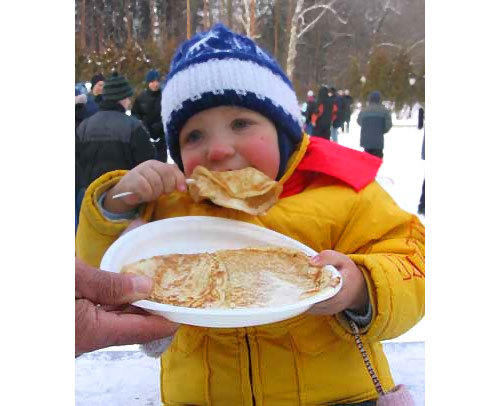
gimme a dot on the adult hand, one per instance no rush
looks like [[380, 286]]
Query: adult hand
[[353, 295], [115, 322]]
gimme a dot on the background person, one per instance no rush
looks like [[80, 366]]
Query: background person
[[147, 108], [94, 97], [337, 115], [374, 120], [80, 111], [347, 103], [110, 139], [310, 109], [322, 116], [421, 203]]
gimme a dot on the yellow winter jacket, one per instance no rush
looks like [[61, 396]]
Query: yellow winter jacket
[[307, 360]]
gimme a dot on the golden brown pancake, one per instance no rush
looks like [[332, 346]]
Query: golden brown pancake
[[248, 189], [248, 277]]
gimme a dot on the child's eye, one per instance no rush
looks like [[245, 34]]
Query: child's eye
[[240, 123], [192, 137]]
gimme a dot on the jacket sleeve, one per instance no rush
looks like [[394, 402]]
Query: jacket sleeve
[[387, 244], [137, 109], [142, 148], [95, 232], [360, 119], [388, 120], [420, 118]]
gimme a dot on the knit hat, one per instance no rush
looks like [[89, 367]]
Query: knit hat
[[116, 88], [152, 75], [310, 93], [96, 78], [221, 68], [374, 97]]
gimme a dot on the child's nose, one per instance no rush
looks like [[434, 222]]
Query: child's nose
[[220, 151]]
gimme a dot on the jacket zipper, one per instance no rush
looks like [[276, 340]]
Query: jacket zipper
[[249, 367]]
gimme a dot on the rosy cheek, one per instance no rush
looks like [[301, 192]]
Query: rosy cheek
[[190, 161], [263, 154]]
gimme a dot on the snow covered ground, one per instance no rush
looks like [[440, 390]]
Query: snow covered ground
[[125, 376], [130, 378]]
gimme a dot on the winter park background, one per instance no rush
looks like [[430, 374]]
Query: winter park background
[[125, 376]]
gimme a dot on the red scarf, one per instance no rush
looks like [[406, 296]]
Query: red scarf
[[331, 160]]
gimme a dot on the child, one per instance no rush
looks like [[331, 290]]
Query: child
[[228, 105]]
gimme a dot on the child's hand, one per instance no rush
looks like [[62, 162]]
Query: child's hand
[[147, 181], [353, 295]]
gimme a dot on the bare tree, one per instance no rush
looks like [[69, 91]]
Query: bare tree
[[276, 26], [252, 19], [206, 7], [229, 11], [154, 21], [188, 19], [128, 19], [83, 31], [297, 31]]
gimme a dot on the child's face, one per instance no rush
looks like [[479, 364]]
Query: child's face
[[228, 138]]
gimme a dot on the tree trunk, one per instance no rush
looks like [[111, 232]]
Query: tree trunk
[[188, 19], [292, 45], [92, 26], [152, 19], [276, 27], [210, 13], [83, 30], [317, 63], [155, 26], [229, 8], [252, 18], [99, 26], [128, 17], [206, 22]]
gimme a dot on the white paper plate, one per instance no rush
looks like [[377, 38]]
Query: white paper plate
[[194, 234]]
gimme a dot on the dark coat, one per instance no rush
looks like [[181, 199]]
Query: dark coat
[[147, 108], [323, 115], [311, 108], [339, 120], [110, 140], [420, 118], [375, 120], [347, 103], [92, 105], [420, 126], [80, 114]]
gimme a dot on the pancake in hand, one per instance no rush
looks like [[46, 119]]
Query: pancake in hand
[[247, 190], [243, 278]]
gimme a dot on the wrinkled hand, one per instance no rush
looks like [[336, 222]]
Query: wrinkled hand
[[354, 293], [148, 181], [115, 322]]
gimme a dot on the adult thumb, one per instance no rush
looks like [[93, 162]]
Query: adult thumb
[[108, 287]]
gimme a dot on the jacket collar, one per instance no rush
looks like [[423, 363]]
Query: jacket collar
[[295, 159], [319, 156], [107, 105]]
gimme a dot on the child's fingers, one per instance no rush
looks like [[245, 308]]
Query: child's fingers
[[154, 180], [180, 179], [171, 176], [328, 257]]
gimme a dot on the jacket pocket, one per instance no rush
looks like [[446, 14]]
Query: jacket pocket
[[313, 336], [328, 368]]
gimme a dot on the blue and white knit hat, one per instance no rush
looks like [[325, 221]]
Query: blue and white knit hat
[[218, 68]]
